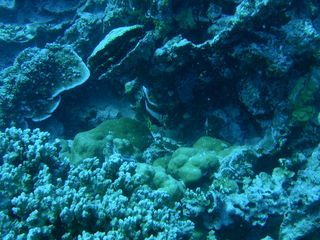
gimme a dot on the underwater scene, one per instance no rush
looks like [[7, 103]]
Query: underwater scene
[[160, 119]]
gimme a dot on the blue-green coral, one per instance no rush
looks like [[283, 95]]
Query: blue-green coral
[[42, 196]]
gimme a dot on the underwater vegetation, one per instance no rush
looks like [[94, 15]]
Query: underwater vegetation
[[160, 119]]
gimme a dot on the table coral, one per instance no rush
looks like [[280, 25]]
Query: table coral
[[31, 87]]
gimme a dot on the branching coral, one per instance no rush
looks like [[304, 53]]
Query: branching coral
[[43, 198]]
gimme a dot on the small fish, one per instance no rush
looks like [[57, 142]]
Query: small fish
[[152, 107]]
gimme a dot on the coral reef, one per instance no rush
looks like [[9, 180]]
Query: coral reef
[[160, 119], [44, 197]]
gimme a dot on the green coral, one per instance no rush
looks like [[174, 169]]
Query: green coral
[[208, 158], [126, 136], [156, 177], [190, 164], [211, 144]]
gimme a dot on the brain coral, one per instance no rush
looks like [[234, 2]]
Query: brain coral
[[124, 135]]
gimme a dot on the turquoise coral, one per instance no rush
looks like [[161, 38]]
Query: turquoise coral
[[64, 202]]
